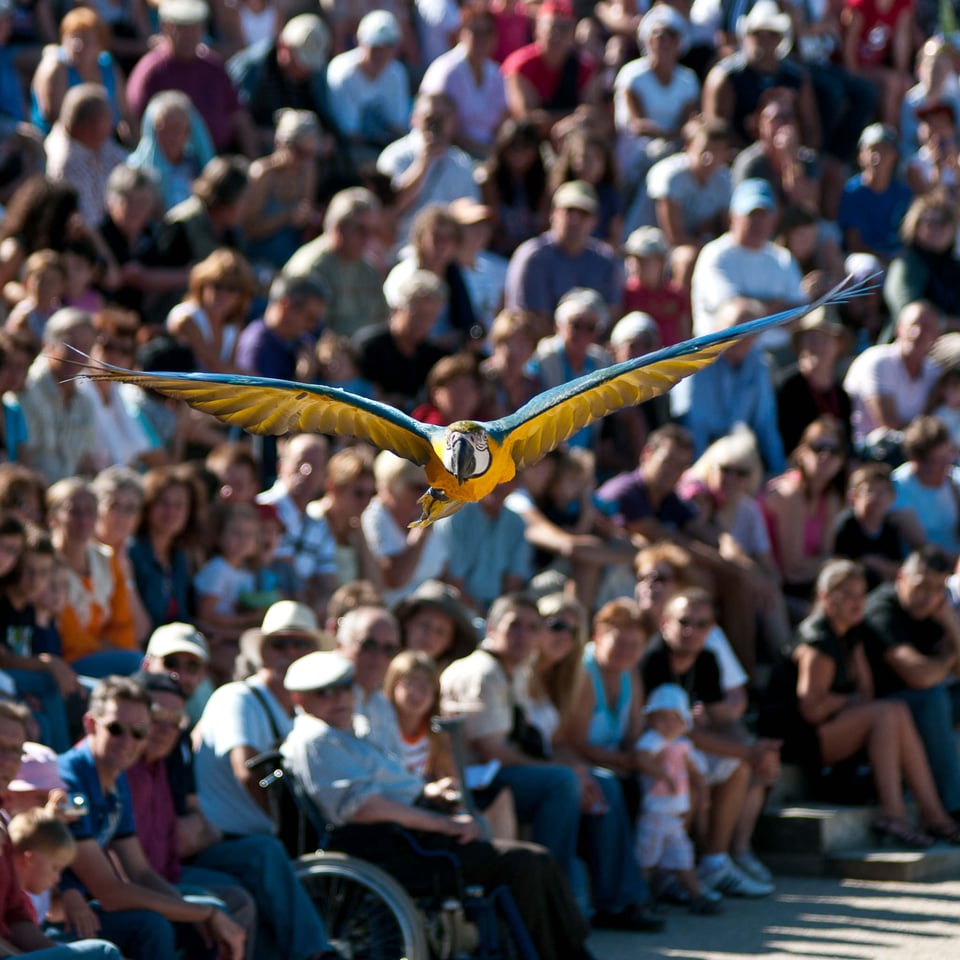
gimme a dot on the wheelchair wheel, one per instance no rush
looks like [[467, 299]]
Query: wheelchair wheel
[[367, 914]]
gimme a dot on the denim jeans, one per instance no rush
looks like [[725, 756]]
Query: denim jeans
[[933, 714], [290, 927], [96, 666], [608, 847], [52, 716], [81, 950], [548, 798], [140, 934]]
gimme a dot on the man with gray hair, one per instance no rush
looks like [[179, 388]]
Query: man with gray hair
[[338, 257], [81, 150], [271, 346], [397, 356], [369, 637], [61, 432]]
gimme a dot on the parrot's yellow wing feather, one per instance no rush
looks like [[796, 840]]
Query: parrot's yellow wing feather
[[264, 406]]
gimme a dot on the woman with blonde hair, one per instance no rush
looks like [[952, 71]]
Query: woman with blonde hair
[[209, 320]]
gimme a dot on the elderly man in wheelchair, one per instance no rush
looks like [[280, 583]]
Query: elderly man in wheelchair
[[376, 810]]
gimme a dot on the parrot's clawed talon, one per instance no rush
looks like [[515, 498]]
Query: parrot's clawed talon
[[435, 504]]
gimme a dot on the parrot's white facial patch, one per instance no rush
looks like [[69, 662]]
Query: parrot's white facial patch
[[455, 449]]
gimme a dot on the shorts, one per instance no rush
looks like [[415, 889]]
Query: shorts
[[662, 841], [717, 769]]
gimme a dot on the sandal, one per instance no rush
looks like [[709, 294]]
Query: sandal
[[947, 830], [901, 833]]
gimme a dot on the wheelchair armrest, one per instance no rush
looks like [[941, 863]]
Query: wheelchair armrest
[[272, 756]]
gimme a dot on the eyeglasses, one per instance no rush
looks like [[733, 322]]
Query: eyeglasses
[[821, 446], [282, 644], [734, 469], [364, 493], [582, 326], [334, 688], [369, 645], [117, 729], [168, 718], [703, 623], [657, 576], [129, 509], [177, 664], [561, 626]]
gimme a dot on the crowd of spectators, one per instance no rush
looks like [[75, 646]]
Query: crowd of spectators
[[451, 207]]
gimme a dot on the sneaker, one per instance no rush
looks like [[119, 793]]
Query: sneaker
[[705, 906], [668, 889], [731, 881], [753, 868]]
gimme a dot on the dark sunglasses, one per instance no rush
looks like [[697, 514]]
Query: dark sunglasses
[[282, 644], [701, 624], [582, 326], [175, 665], [735, 470], [117, 729], [364, 493], [657, 576], [334, 688], [369, 645], [560, 626], [820, 446]]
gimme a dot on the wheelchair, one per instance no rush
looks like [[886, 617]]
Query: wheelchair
[[369, 914]]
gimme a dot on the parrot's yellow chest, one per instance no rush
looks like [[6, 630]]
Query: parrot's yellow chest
[[501, 469]]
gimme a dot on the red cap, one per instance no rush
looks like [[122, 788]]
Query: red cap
[[268, 513], [558, 8]]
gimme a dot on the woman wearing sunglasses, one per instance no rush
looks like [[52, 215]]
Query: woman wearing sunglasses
[[801, 507]]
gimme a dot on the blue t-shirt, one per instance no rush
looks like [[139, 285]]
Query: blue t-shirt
[[111, 815], [876, 215]]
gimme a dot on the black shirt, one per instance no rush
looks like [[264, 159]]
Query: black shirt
[[853, 542], [890, 627], [798, 405], [701, 681], [382, 363]]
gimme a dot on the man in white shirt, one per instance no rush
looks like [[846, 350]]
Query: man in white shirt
[[744, 262]]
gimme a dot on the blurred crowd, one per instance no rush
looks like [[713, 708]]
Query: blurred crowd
[[451, 208]]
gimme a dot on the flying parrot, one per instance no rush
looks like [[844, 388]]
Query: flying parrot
[[467, 459]]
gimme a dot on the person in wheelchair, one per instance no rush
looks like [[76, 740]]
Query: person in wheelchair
[[374, 807]]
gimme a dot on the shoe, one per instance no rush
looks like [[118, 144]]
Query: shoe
[[635, 918], [948, 830], [669, 889], [705, 906], [886, 829], [753, 868], [731, 881]]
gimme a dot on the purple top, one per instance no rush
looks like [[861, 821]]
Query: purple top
[[626, 495]]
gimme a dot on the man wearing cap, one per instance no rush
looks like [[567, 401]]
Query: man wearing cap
[[484, 272], [424, 166], [247, 717], [548, 79], [288, 72], [369, 93], [581, 318], [184, 846], [734, 86], [181, 61], [364, 794], [744, 262], [546, 267], [339, 257], [875, 200], [19, 931], [180, 650]]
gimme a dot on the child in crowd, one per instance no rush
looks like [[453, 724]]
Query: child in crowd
[[868, 531], [944, 402], [649, 290], [662, 839], [44, 281], [274, 579], [337, 365], [455, 390], [43, 848], [81, 263]]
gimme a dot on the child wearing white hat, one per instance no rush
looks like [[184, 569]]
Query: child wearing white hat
[[662, 839]]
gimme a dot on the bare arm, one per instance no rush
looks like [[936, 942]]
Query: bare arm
[[249, 779], [194, 830], [918, 671], [815, 673]]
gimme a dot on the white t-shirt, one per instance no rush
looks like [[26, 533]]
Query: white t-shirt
[[436, 22], [671, 179], [662, 104], [354, 95], [725, 270], [386, 539], [234, 717], [879, 371], [732, 674], [121, 438], [217, 578]]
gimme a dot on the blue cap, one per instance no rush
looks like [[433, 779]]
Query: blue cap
[[750, 195]]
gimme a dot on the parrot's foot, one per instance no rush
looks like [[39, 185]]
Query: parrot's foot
[[435, 504]]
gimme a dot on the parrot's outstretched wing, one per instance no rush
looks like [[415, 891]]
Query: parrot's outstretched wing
[[260, 405], [556, 415]]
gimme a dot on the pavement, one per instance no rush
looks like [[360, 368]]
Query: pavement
[[818, 917]]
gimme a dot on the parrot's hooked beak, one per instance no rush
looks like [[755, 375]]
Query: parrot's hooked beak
[[464, 459]]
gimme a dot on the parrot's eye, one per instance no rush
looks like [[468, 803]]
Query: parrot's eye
[[480, 441]]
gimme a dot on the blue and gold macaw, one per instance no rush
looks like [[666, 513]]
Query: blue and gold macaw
[[465, 460]]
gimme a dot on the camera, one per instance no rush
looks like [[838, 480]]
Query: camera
[[75, 805]]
